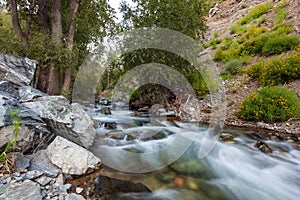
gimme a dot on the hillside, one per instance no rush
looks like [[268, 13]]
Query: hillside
[[233, 26]]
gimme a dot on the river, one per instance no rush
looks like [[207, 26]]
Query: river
[[164, 155]]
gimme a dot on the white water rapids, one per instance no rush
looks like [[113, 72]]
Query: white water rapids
[[240, 171]]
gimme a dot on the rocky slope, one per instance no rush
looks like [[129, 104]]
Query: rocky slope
[[240, 86]]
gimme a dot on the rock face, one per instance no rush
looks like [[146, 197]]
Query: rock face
[[69, 157], [16, 70], [67, 120]]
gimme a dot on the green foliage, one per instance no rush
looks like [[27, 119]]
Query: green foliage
[[214, 42], [255, 12], [270, 104], [14, 114], [254, 31], [277, 70], [237, 29], [232, 67], [280, 16], [185, 17], [279, 44], [262, 19]]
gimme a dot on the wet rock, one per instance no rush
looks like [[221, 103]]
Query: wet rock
[[66, 120], [16, 70], [113, 186], [105, 110], [226, 137], [190, 168], [21, 191], [28, 93], [70, 157], [263, 147], [41, 162]]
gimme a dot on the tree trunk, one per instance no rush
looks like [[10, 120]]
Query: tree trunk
[[74, 5], [43, 27], [43, 17], [56, 23]]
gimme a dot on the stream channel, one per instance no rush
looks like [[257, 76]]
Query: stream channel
[[164, 156]]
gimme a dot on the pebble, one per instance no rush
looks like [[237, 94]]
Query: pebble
[[79, 190]]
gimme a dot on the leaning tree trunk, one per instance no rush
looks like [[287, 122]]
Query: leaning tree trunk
[[23, 36], [74, 5]]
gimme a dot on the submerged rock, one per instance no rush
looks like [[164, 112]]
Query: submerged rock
[[226, 137], [70, 158], [263, 147]]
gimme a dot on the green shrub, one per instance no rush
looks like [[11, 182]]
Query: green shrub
[[255, 13], [270, 104], [279, 44], [262, 19], [237, 29], [280, 15], [277, 70], [231, 68], [253, 31], [214, 42], [253, 46], [282, 29]]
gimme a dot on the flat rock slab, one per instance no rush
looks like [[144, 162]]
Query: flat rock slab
[[70, 157], [21, 191]]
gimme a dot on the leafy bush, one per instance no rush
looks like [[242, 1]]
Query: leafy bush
[[253, 31], [231, 68], [262, 19], [270, 104], [276, 70], [281, 13], [237, 29], [214, 42], [279, 44], [255, 12]]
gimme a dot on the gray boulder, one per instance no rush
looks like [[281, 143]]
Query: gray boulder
[[66, 120], [70, 157], [32, 128], [17, 70], [21, 191]]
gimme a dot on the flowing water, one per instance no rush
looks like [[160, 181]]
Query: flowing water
[[231, 170]]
